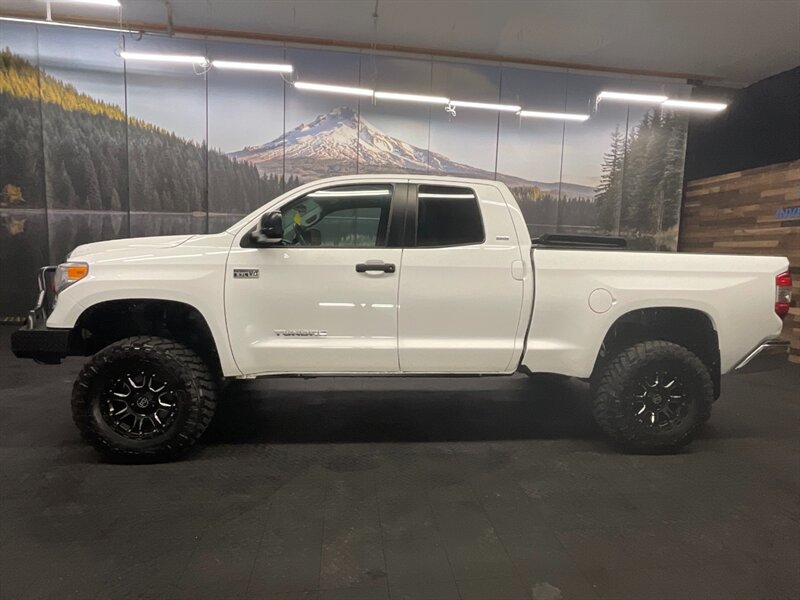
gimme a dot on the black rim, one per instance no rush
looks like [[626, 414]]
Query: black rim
[[660, 400], [139, 404]]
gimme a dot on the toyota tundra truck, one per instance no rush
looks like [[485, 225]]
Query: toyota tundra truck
[[397, 275]]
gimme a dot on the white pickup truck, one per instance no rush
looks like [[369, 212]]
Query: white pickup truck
[[397, 275]]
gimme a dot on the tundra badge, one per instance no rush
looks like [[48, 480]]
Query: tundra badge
[[301, 332]]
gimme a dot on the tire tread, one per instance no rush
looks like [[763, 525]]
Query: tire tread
[[194, 369], [612, 380]]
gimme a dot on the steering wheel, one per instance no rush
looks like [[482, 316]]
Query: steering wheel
[[298, 235]]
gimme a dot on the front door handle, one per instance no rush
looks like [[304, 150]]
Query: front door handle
[[375, 266]]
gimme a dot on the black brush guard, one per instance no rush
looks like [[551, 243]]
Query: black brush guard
[[34, 339]]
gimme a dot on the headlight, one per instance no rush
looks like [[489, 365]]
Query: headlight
[[68, 273]]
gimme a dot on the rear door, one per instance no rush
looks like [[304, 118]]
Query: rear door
[[461, 291]]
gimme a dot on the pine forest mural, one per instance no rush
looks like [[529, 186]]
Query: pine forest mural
[[93, 152]]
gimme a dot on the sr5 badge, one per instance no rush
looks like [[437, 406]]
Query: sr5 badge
[[245, 273]]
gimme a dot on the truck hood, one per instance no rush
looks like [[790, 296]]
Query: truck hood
[[117, 248]]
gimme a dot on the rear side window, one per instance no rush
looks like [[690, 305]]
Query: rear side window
[[448, 216]]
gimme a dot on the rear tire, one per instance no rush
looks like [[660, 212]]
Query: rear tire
[[653, 397], [144, 397]]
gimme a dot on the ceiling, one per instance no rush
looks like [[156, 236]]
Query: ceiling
[[726, 42]]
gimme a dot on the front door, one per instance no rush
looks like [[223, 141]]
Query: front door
[[325, 300]]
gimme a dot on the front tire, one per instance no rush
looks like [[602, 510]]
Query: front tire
[[653, 397], [144, 397]]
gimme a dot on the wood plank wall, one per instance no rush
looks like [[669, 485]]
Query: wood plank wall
[[738, 213]]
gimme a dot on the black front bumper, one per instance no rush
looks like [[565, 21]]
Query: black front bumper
[[42, 343], [36, 340]]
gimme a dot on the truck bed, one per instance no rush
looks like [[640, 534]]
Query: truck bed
[[579, 294]]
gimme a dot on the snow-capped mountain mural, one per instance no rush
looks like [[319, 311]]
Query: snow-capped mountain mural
[[86, 154], [337, 139]]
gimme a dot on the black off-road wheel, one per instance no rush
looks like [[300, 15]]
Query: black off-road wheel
[[144, 398], [653, 397]]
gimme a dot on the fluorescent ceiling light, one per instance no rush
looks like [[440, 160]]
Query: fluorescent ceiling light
[[627, 97], [485, 105], [61, 24], [251, 66], [114, 3], [553, 115], [412, 98], [692, 105], [176, 58], [332, 89]]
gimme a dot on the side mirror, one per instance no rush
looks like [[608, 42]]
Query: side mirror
[[270, 230]]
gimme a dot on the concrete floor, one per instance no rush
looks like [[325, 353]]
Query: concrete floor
[[417, 488]]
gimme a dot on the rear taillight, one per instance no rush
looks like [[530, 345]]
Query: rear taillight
[[783, 294]]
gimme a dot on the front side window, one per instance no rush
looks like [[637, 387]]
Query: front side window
[[347, 216], [448, 216]]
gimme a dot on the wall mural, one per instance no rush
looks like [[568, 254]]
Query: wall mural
[[92, 148]]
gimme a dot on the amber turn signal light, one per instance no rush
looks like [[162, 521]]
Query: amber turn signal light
[[69, 273]]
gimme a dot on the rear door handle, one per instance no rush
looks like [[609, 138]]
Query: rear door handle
[[375, 266]]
